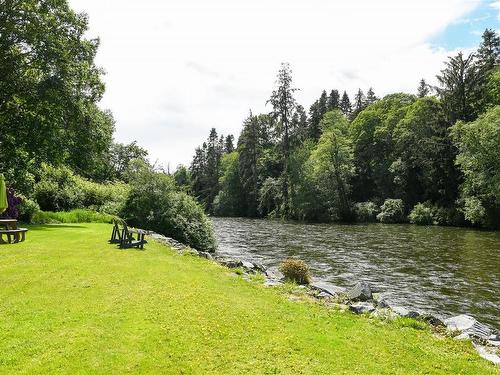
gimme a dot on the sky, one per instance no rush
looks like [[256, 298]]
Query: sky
[[177, 68]]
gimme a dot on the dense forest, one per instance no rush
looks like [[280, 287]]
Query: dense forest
[[429, 158]]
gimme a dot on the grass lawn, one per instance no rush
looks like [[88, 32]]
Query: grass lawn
[[71, 303]]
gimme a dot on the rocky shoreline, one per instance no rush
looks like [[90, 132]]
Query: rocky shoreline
[[363, 299]]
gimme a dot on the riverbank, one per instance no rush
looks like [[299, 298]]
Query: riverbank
[[437, 270], [73, 303]]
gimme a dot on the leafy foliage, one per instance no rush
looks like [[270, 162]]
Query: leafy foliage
[[478, 143], [366, 212], [392, 211], [421, 214], [155, 204], [61, 190]]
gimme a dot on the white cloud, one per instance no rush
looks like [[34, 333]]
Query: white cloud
[[177, 68]]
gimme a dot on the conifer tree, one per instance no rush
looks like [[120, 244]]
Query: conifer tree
[[333, 101], [423, 89], [359, 103], [284, 106], [345, 104], [370, 97], [488, 54]]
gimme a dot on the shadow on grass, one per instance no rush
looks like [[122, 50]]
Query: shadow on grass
[[52, 226]]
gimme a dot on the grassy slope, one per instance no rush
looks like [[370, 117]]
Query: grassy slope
[[72, 303]]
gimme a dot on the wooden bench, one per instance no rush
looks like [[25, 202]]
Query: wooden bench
[[13, 235], [124, 236]]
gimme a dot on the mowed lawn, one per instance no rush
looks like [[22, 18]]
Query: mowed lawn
[[71, 303]]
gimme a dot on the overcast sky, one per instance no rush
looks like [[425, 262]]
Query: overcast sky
[[176, 68]]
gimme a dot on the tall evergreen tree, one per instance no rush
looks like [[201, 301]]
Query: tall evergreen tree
[[461, 88], [229, 144], [323, 104], [300, 127], [314, 119], [423, 89], [359, 103], [488, 53], [371, 97], [284, 105], [254, 137], [345, 104], [333, 101]]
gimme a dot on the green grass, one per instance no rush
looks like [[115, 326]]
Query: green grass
[[71, 303], [78, 215]]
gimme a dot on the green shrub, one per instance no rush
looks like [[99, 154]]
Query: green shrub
[[73, 216], [154, 203], [448, 216], [422, 214], [27, 208], [61, 190], [58, 190], [474, 210], [392, 211], [366, 212], [296, 270]]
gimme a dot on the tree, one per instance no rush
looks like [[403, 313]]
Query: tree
[[119, 157], [300, 130], [488, 53], [461, 88], [370, 97], [333, 101], [229, 144], [359, 103], [229, 200], [254, 139], [423, 168], [284, 105], [49, 87], [331, 165], [314, 119], [371, 133], [478, 143], [345, 104], [182, 178], [423, 89]]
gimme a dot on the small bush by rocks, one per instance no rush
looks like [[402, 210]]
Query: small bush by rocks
[[296, 270]]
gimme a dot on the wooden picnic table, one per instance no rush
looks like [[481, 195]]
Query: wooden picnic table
[[8, 223], [11, 231]]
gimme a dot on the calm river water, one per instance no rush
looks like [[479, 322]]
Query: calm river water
[[445, 271]]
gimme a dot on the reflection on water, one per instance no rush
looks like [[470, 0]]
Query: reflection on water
[[445, 271]]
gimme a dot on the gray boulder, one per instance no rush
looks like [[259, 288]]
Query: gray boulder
[[404, 312], [274, 274], [327, 288], [260, 267], [247, 265], [205, 255], [468, 325], [362, 307], [360, 292]]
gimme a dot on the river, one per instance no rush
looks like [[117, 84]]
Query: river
[[440, 270]]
